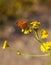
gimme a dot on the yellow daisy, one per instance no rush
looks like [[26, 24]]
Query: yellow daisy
[[35, 24], [45, 46], [43, 33]]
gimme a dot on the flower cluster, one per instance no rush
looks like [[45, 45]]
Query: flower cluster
[[28, 28], [39, 35]]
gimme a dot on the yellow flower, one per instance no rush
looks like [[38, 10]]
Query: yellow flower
[[45, 46], [43, 33], [5, 44], [35, 25], [19, 52], [27, 31]]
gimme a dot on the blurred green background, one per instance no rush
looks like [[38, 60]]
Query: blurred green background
[[12, 11]]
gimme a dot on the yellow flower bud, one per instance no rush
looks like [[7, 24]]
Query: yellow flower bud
[[5, 45], [18, 52]]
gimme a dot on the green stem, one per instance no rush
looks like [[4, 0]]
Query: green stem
[[12, 48], [37, 37], [33, 55], [23, 54]]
